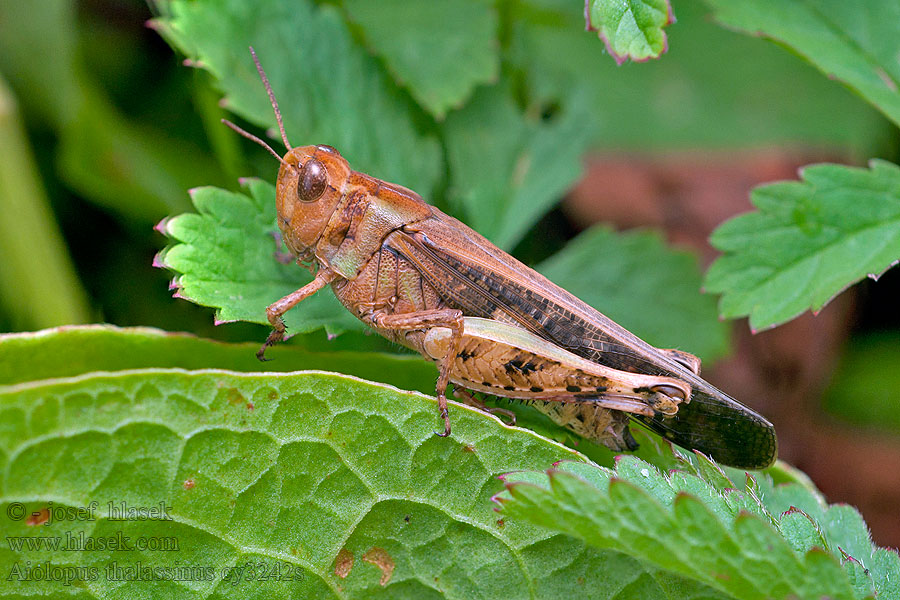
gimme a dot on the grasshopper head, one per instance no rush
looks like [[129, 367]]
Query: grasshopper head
[[310, 185], [310, 182]]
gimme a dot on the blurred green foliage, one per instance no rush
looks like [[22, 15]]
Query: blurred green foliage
[[865, 388], [114, 130]]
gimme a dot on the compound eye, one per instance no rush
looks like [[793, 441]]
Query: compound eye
[[312, 181]]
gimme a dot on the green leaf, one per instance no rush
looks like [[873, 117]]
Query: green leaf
[[321, 468], [682, 523], [634, 279], [845, 534], [439, 50], [331, 91], [856, 44], [70, 351], [800, 531], [732, 97], [631, 29], [807, 242], [226, 260], [509, 168]]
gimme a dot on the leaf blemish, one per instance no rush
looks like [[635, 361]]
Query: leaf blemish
[[234, 396], [343, 564], [381, 559], [38, 518]]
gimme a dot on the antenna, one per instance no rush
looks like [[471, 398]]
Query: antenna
[[265, 80], [250, 136]]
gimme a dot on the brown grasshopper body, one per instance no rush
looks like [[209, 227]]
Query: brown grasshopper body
[[410, 271], [587, 398]]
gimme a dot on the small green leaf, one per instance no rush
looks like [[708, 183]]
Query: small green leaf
[[712, 472], [331, 91], [631, 29], [856, 44], [680, 523], [780, 472], [629, 468], [807, 242], [649, 289], [226, 260], [71, 351], [509, 168], [800, 531], [439, 50]]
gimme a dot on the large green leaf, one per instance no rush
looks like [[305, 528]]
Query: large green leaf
[[317, 484], [632, 29], [635, 280], [807, 242], [331, 91], [439, 50], [854, 42], [692, 524], [73, 351], [288, 486], [70, 351], [509, 168], [226, 259]]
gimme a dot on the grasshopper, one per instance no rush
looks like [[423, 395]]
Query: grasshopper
[[427, 281]]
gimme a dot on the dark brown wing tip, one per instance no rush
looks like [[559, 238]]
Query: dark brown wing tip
[[760, 452], [734, 436]]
